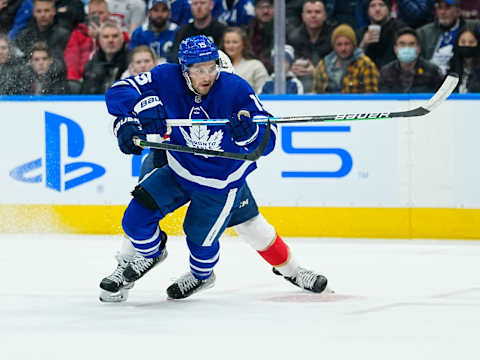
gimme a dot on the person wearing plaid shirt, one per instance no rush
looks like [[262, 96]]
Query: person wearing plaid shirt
[[346, 69]]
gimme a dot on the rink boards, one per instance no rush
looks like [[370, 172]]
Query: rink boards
[[61, 170]]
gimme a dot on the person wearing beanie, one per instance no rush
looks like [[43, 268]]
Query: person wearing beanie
[[293, 85], [438, 38], [377, 38], [346, 69]]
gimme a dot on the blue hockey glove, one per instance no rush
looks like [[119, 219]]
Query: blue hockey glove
[[125, 128], [244, 131], [151, 113]]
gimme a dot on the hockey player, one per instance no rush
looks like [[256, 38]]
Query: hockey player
[[215, 187]]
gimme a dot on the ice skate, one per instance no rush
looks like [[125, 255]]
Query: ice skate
[[307, 280], [140, 265], [114, 287], [188, 284]]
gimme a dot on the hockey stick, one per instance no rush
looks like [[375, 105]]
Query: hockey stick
[[442, 93], [156, 142]]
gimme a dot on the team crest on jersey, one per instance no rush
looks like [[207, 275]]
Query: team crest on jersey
[[199, 136]]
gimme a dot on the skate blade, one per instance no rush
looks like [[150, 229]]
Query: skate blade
[[116, 297]]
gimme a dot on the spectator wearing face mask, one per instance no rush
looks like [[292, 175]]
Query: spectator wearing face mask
[[410, 73], [466, 60], [437, 39]]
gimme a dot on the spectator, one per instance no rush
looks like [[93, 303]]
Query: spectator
[[438, 38], [293, 85], [466, 60], [157, 32], [43, 27], [43, 77], [70, 13], [260, 32], [142, 59], [12, 70], [203, 24], [410, 73], [235, 44], [415, 13], [311, 41], [110, 61], [130, 13], [470, 9], [83, 43], [346, 69], [339, 11], [378, 38], [14, 16]]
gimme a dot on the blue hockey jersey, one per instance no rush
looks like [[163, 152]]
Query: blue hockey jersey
[[165, 89], [160, 43]]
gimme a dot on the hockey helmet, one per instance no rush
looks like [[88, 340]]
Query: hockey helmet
[[196, 49]]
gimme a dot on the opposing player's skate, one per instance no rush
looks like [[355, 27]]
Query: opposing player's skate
[[188, 284], [307, 280], [114, 287]]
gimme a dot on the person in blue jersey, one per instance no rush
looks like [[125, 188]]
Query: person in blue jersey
[[214, 187], [157, 32]]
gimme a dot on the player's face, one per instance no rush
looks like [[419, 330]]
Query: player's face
[[99, 10], [3, 51], [40, 62], [44, 12], [201, 9], [447, 14], [159, 15], [203, 75], [233, 45], [314, 15], [378, 11], [111, 40], [343, 47], [142, 62]]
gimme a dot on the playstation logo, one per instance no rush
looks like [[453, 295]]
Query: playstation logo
[[56, 171]]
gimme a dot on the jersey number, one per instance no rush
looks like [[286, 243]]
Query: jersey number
[[143, 78]]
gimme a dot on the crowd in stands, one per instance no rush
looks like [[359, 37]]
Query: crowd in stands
[[332, 46]]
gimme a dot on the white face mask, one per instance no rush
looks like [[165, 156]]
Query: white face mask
[[406, 54]]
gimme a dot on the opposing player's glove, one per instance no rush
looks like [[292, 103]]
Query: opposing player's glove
[[244, 131], [125, 128]]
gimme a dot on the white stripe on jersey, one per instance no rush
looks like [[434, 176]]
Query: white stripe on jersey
[[221, 218], [146, 241], [209, 182], [213, 259]]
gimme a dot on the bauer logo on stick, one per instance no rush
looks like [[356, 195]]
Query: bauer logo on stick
[[362, 116]]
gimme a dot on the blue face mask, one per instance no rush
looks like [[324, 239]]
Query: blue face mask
[[406, 54]]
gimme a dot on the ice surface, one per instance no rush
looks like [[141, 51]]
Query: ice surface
[[394, 300]]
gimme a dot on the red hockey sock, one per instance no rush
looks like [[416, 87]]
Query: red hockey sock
[[277, 253]]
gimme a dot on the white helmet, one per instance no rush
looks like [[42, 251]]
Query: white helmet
[[225, 63]]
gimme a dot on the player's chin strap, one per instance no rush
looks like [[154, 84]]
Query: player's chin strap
[[189, 82], [155, 141]]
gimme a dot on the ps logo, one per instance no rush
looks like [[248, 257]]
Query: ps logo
[[56, 171], [289, 148]]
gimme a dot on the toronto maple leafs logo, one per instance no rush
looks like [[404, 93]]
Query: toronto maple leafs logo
[[199, 136]]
